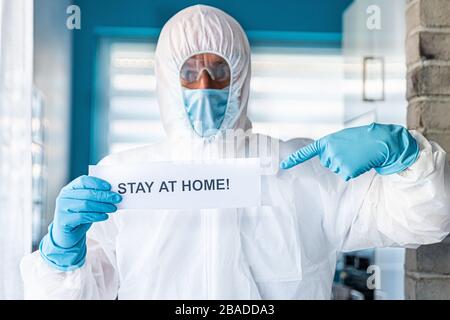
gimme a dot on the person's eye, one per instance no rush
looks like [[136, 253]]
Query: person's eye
[[222, 73], [189, 76]]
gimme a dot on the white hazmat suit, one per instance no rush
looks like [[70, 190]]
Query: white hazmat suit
[[284, 249]]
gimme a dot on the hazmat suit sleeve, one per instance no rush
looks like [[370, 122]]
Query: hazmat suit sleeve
[[406, 209], [96, 279]]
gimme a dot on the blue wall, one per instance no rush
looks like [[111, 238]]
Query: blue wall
[[298, 22], [281, 15]]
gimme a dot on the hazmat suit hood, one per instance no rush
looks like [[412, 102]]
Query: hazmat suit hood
[[201, 29]]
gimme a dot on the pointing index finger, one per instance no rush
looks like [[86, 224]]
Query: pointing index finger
[[303, 154]]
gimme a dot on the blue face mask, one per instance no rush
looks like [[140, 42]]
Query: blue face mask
[[206, 109]]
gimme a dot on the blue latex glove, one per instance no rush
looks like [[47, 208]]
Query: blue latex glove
[[82, 202], [349, 153]]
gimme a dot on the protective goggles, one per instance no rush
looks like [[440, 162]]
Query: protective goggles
[[217, 68]]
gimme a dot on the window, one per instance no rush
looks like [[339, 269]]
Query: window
[[294, 93], [128, 96]]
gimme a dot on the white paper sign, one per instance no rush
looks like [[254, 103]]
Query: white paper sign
[[225, 183]]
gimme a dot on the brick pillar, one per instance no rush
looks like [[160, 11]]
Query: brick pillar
[[427, 269]]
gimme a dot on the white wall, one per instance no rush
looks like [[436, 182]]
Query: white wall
[[387, 42]]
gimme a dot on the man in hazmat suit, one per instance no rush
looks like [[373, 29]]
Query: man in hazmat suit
[[364, 187]]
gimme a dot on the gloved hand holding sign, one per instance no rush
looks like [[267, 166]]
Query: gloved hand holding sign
[[351, 152], [82, 202]]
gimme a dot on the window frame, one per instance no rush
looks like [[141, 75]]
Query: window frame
[[105, 37]]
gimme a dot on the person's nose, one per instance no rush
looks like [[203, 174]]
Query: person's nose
[[205, 81]]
